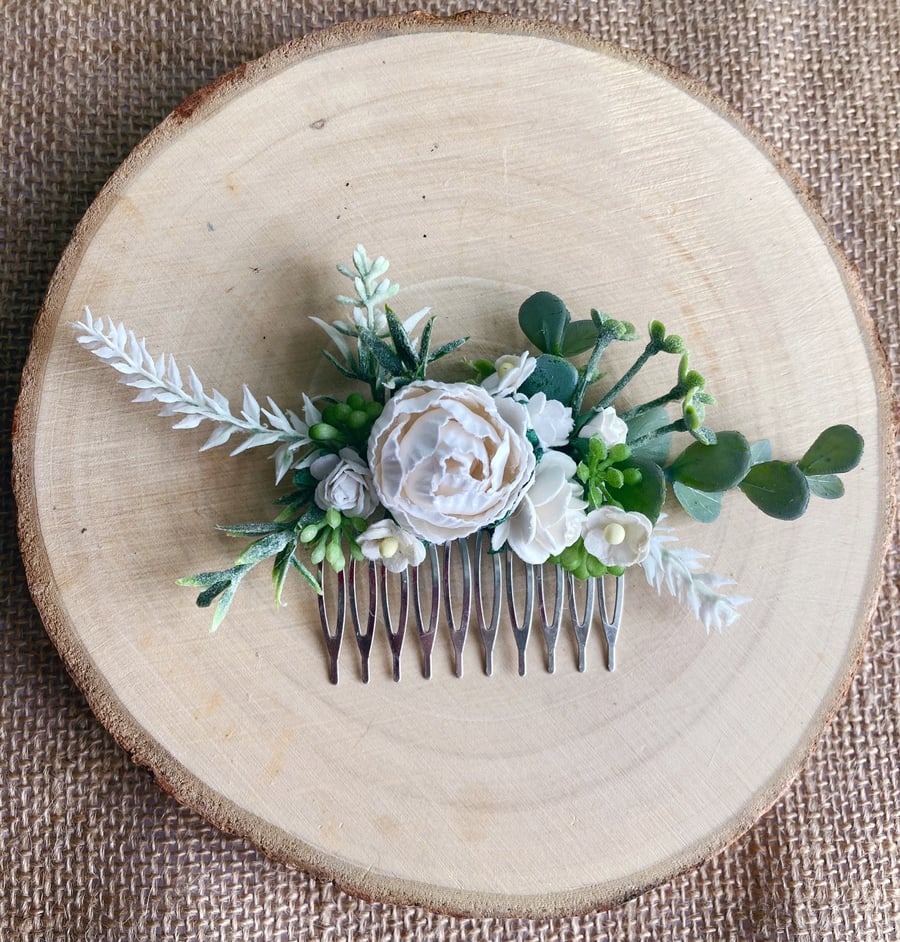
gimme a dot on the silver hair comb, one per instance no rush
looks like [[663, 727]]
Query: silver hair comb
[[444, 592]]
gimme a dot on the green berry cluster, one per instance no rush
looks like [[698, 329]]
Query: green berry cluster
[[346, 423], [598, 474], [577, 560], [327, 535]]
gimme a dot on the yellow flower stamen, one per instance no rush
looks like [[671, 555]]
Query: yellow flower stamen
[[614, 534]]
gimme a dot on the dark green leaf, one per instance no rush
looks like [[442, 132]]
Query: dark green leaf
[[836, 450], [713, 467], [425, 342], [657, 449], [280, 569], [778, 488], [648, 494], [386, 358], [446, 348], [555, 377], [829, 486], [704, 506], [578, 337], [339, 366], [543, 318], [401, 341], [205, 599]]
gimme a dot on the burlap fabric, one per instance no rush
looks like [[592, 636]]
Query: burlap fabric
[[90, 848]]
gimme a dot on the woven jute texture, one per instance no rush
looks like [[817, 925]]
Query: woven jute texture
[[90, 847]]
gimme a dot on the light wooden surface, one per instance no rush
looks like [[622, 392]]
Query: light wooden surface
[[487, 159]]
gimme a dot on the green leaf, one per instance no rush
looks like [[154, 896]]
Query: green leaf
[[829, 486], [778, 488], [704, 506], [262, 549], [715, 467], [555, 377], [578, 337], [339, 366], [382, 353], [401, 341], [761, 451], [543, 318], [648, 494], [206, 580], [224, 604], [307, 575], [206, 598], [446, 348], [251, 529], [425, 342], [280, 569], [657, 449], [836, 450]]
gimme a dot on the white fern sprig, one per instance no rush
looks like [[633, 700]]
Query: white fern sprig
[[159, 379], [679, 570]]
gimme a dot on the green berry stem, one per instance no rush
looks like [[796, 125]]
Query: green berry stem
[[679, 425], [604, 339]]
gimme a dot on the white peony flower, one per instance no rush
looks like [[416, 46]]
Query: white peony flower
[[606, 426], [345, 483], [549, 516], [551, 420], [391, 545], [617, 537], [511, 372], [448, 459]]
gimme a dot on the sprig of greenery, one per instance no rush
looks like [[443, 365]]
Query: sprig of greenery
[[159, 379]]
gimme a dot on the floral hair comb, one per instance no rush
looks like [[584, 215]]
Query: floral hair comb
[[413, 491]]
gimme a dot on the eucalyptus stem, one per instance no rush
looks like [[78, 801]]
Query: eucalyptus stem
[[650, 350], [675, 393], [604, 339], [679, 425]]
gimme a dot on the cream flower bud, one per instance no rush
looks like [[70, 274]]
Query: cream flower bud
[[617, 537], [391, 545], [606, 426]]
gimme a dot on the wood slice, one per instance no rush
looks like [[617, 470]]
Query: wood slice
[[487, 158]]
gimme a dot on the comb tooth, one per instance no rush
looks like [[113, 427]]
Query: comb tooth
[[427, 634], [581, 628], [611, 624], [333, 638], [363, 639], [488, 629], [458, 630], [550, 625], [395, 636], [522, 629]]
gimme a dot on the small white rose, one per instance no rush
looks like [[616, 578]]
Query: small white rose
[[448, 459], [551, 420], [549, 515], [511, 372], [617, 537], [606, 426], [391, 545], [345, 483]]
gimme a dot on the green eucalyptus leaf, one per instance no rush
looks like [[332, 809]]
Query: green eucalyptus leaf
[[761, 451], [543, 318], [836, 450], [716, 463], [704, 506], [657, 449], [579, 336], [555, 377], [829, 486], [714, 467], [778, 488], [647, 495]]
